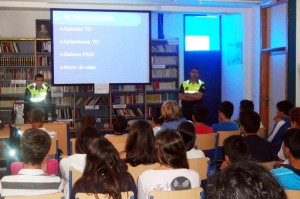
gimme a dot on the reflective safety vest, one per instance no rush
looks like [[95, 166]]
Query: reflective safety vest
[[191, 88], [38, 95]]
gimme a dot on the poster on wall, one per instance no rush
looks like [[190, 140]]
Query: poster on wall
[[42, 27]]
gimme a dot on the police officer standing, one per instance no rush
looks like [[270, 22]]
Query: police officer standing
[[191, 92], [37, 94]]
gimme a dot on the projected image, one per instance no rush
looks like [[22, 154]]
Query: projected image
[[91, 46], [197, 43]]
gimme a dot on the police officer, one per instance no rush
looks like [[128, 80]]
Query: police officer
[[37, 94], [191, 92]]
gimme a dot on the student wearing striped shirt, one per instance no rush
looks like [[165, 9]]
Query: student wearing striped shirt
[[31, 180]]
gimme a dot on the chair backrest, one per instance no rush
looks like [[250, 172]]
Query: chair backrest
[[74, 175], [54, 147], [262, 133], [138, 170], [58, 195], [200, 165], [205, 141], [268, 165], [124, 195], [119, 141], [189, 193], [292, 194], [72, 143], [222, 135]]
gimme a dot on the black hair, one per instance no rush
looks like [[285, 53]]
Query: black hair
[[156, 115], [37, 115], [236, 148], [226, 108], [246, 105], [285, 106], [188, 133], [35, 145], [200, 113], [245, 180], [119, 123], [84, 134], [38, 76], [250, 120], [291, 140]]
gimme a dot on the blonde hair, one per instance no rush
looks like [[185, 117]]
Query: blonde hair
[[170, 111]]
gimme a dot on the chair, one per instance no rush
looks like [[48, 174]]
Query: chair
[[72, 143], [124, 195], [119, 141], [205, 142], [262, 133], [200, 165], [138, 170], [268, 165], [74, 175], [188, 193], [44, 196], [292, 194]]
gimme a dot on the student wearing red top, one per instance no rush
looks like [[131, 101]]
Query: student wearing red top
[[200, 114]]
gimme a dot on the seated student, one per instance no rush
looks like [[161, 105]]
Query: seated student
[[77, 160], [31, 180], [282, 124], [295, 123], [173, 172], [235, 149], [225, 111], [104, 172], [87, 120], [50, 165], [261, 149], [245, 105], [200, 114], [289, 174], [171, 113], [119, 123], [244, 180], [157, 120], [187, 131], [139, 147]]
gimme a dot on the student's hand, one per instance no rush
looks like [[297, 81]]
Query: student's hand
[[45, 165]]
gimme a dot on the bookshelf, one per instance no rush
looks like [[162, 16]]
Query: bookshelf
[[165, 73]]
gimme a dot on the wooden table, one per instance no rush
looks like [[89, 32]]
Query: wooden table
[[5, 137]]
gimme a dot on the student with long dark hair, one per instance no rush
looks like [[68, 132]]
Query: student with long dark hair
[[104, 172], [173, 172], [140, 144]]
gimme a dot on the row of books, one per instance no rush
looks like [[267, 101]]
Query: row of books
[[17, 61], [43, 46], [164, 60], [62, 101], [9, 47], [135, 112], [13, 89], [16, 73], [92, 100], [158, 98], [128, 98], [164, 48], [67, 113], [168, 72], [46, 72], [138, 87], [157, 86], [62, 89], [43, 61]]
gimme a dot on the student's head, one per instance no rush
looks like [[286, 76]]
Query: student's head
[[284, 107], [194, 74], [156, 116], [245, 180], [37, 115], [84, 134], [104, 168], [35, 145], [140, 144], [291, 140], [88, 120], [170, 149], [200, 113], [246, 105], [119, 123], [295, 117], [188, 133], [170, 111], [226, 109], [236, 149], [250, 121], [38, 79]]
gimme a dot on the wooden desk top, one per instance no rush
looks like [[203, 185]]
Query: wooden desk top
[[5, 132]]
